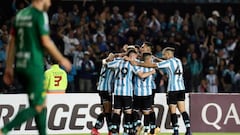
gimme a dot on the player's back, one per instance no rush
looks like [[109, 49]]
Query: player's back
[[29, 25], [106, 79], [176, 75], [55, 79]]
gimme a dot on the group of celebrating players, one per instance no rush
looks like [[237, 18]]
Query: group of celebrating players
[[129, 76]]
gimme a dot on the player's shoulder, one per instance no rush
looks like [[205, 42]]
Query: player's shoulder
[[176, 58]]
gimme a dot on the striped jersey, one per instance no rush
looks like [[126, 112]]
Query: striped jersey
[[175, 73], [154, 87], [153, 81], [143, 86], [124, 71], [106, 77]]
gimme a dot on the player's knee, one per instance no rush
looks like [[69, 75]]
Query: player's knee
[[181, 109], [117, 111], [146, 112], [107, 107], [128, 111]]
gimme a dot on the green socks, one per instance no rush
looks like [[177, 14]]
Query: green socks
[[26, 114], [21, 117], [40, 120]]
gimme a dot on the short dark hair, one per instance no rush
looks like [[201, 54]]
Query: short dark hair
[[149, 44], [131, 51], [144, 55]]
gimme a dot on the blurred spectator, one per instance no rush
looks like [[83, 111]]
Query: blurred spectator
[[198, 20], [229, 19], [69, 41], [154, 24], [162, 21], [3, 44], [78, 54], [236, 56], [131, 12], [210, 59], [74, 16], [2, 67], [228, 77], [213, 20], [236, 82], [203, 87], [218, 40], [101, 44], [220, 68], [186, 74], [20, 5], [116, 16], [196, 70], [212, 81], [176, 20], [58, 18], [71, 80], [85, 67], [158, 51]]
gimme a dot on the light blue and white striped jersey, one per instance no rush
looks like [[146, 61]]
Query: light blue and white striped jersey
[[124, 71], [175, 73], [143, 86], [153, 81], [106, 77]]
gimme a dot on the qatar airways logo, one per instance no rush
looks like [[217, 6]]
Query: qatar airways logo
[[215, 112], [218, 117]]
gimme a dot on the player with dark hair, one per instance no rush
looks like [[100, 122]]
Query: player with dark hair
[[143, 96], [147, 47], [176, 88], [29, 38]]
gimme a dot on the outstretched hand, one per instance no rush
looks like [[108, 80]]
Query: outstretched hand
[[110, 57]]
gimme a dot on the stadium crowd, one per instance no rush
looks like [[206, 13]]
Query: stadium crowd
[[208, 45]]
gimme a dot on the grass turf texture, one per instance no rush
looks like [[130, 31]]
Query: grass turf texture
[[171, 134]]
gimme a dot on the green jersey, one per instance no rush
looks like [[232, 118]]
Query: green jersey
[[30, 24]]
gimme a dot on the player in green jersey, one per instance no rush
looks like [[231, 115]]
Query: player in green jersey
[[29, 38]]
